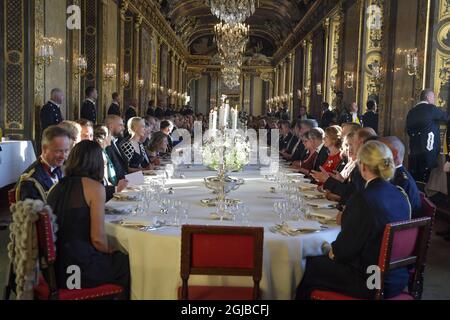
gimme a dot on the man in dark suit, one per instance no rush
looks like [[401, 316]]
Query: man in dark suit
[[51, 113], [131, 111], [370, 118], [116, 128], [328, 116], [114, 108], [303, 114], [151, 108], [37, 180], [317, 136], [422, 125], [88, 109], [159, 112], [166, 127], [286, 134], [350, 115], [402, 177]]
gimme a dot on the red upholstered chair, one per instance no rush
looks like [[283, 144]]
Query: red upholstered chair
[[217, 250], [404, 244], [12, 196], [47, 288]]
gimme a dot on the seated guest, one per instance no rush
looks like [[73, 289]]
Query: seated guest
[[307, 163], [339, 186], [38, 179], [74, 130], [158, 145], [335, 161], [114, 108], [402, 177], [348, 127], [357, 246], [134, 149], [285, 134], [303, 114], [116, 128], [111, 180], [297, 151], [87, 129], [78, 202], [322, 152], [166, 127]]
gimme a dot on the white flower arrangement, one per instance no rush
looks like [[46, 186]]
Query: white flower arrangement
[[229, 147]]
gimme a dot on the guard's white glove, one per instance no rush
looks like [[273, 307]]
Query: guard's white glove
[[447, 167]]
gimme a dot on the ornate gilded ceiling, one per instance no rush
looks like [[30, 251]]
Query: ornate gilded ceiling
[[272, 22]]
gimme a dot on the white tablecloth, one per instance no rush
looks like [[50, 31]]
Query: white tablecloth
[[15, 157], [155, 256]]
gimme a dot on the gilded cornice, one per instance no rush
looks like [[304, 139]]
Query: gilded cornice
[[152, 16]]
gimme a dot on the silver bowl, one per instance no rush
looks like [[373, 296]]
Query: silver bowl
[[231, 184]]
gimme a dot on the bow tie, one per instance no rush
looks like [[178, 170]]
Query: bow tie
[[52, 173]]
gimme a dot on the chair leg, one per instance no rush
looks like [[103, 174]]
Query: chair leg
[[10, 282]]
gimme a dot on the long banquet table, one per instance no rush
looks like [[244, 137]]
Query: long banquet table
[[155, 255]]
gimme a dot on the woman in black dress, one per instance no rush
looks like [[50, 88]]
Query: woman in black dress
[[78, 201], [133, 149]]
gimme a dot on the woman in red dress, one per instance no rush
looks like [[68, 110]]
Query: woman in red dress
[[333, 141]]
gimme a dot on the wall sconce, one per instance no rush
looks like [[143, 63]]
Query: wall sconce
[[375, 69], [109, 71], [412, 62], [80, 66], [169, 92], [126, 79], [349, 78], [45, 52], [141, 84], [154, 86], [333, 82], [291, 95], [306, 90], [161, 88], [319, 89], [299, 94]]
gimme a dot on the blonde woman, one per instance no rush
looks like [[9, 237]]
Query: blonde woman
[[134, 149], [344, 267]]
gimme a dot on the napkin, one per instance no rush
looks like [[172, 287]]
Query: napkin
[[326, 214], [322, 203], [306, 186], [135, 179], [303, 225]]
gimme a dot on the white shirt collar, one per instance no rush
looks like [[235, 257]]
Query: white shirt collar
[[320, 147], [369, 181]]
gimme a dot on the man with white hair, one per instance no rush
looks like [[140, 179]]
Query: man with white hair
[[402, 177], [50, 113]]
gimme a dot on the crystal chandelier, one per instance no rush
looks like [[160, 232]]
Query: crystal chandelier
[[231, 39], [231, 76], [232, 11]]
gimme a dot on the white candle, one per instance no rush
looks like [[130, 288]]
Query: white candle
[[214, 121], [221, 115], [226, 115], [234, 114]]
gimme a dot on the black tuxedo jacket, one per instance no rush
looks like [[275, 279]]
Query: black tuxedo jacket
[[50, 114], [370, 120], [130, 113], [114, 109], [159, 112], [89, 112], [35, 182], [321, 158], [119, 160]]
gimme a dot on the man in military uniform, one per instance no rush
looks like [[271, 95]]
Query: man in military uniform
[[88, 110], [422, 124], [114, 108], [350, 115], [402, 177], [50, 113], [46, 171]]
